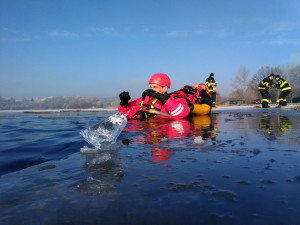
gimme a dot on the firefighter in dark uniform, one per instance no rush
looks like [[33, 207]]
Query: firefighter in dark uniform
[[285, 90], [212, 84], [263, 87]]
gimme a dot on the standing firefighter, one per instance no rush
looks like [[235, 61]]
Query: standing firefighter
[[212, 84], [285, 90], [263, 87]]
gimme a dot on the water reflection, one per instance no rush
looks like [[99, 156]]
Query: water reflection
[[162, 134], [206, 125], [285, 124], [155, 131], [275, 125], [105, 168], [159, 154]]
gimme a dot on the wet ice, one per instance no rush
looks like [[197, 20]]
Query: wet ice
[[164, 172]]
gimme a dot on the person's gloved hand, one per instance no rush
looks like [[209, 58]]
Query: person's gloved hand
[[151, 93], [124, 97]]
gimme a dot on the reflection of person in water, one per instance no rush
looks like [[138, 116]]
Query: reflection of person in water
[[154, 132], [155, 129], [265, 124], [214, 127], [159, 154], [285, 124], [206, 125], [276, 125]]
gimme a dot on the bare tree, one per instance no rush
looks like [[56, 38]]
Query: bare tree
[[264, 72], [293, 78], [241, 80]]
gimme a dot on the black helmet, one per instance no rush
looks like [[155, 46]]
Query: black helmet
[[277, 76], [211, 75], [271, 75]]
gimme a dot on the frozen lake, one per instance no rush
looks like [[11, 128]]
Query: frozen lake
[[237, 166]]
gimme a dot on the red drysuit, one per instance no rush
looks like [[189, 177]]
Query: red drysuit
[[176, 107]]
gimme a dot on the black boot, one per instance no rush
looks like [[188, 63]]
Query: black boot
[[265, 104]]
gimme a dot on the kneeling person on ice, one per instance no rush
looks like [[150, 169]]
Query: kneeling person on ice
[[155, 102], [263, 88], [285, 90]]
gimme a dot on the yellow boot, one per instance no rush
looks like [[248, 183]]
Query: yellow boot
[[201, 109]]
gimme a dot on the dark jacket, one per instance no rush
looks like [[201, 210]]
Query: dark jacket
[[282, 84], [211, 84], [265, 84]]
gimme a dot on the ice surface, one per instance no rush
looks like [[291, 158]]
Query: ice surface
[[247, 169]]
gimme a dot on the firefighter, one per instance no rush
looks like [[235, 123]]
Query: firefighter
[[212, 84], [285, 90], [155, 102], [263, 87]]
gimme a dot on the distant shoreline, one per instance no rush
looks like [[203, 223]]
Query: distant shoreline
[[37, 111]]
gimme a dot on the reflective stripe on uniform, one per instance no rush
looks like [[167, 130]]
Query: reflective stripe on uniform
[[211, 84], [283, 99], [266, 84], [153, 103], [287, 88], [177, 111], [265, 100], [281, 85]]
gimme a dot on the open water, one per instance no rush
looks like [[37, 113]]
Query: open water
[[239, 166]]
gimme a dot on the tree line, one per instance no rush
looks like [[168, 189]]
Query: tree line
[[58, 103], [245, 85]]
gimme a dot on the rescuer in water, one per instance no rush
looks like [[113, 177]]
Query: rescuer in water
[[263, 88], [285, 90], [155, 102]]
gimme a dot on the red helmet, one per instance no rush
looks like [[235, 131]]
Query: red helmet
[[160, 79]]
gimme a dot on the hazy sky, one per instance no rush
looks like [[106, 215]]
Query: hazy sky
[[100, 48]]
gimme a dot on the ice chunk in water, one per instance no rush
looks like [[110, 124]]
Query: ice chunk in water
[[105, 131], [198, 140]]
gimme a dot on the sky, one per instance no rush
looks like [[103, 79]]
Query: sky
[[99, 48]]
